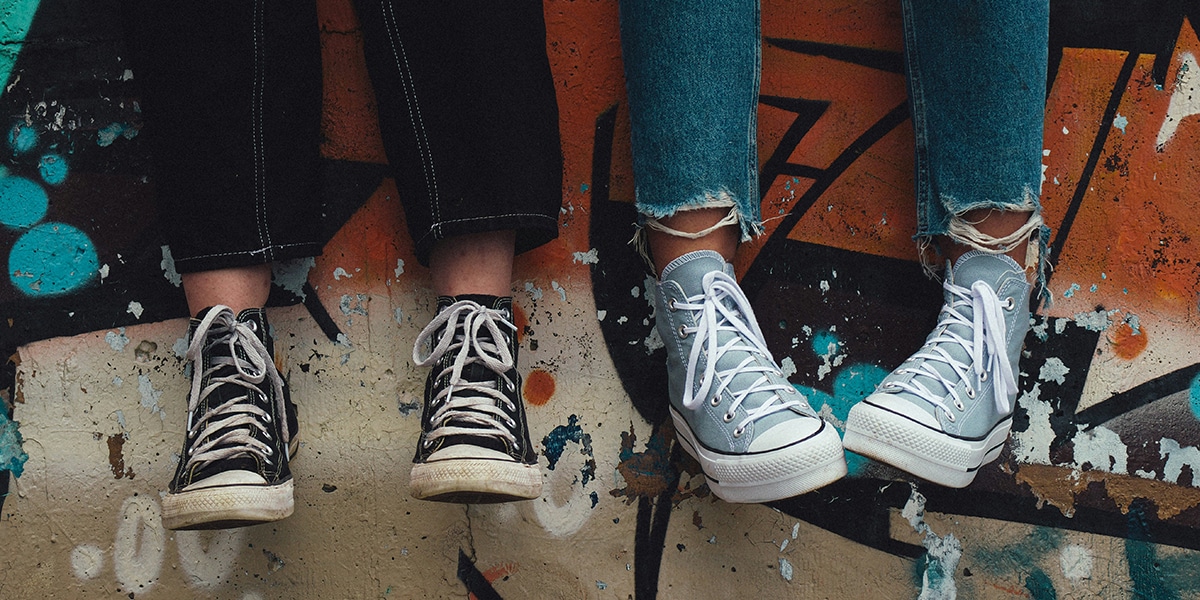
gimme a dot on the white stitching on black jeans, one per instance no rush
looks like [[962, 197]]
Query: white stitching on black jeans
[[256, 113], [410, 97]]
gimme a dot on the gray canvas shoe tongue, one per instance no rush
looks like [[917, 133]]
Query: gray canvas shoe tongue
[[991, 269]]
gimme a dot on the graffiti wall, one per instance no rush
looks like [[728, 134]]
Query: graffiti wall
[[1096, 494]]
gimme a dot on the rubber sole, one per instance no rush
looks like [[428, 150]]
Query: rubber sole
[[798, 468], [475, 481], [226, 507], [932, 455]]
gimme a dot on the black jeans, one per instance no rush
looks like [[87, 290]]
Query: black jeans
[[232, 103]]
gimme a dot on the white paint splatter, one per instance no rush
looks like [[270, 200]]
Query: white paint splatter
[[1071, 290], [150, 396], [1065, 131], [1102, 449], [139, 545], [117, 340], [535, 293], [1177, 457], [785, 569], [1185, 99], [180, 347], [398, 315], [135, 309], [1060, 325], [590, 257], [352, 304], [399, 268], [784, 544], [788, 366], [1032, 446], [168, 267], [1094, 321], [1076, 562], [1039, 329], [600, 314], [562, 293], [103, 270], [636, 292], [653, 341], [291, 275], [1121, 122], [87, 561], [824, 285], [339, 273], [795, 530], [942, 553], [207, 557], [621, 320], [1054, 370]]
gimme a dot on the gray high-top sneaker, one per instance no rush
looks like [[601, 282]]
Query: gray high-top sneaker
[[947, 410], [754, 435]]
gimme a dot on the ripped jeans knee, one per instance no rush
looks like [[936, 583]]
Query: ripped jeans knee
[[748, 225], [963, 231]]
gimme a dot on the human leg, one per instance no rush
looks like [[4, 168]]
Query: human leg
[[470, 124], [693, 106], [231, 96], [976, 75]]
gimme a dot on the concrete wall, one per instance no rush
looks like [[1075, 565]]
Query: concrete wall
[[1095, 496]]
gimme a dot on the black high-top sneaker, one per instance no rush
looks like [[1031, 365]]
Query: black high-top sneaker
[[234, 468], [474, 445]]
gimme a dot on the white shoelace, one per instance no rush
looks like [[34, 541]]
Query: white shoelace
[[715, 317], [237, 417], [988, 338], [462, 401]]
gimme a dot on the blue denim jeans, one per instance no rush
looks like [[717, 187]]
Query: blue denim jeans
[[691, 73], [977, 84]]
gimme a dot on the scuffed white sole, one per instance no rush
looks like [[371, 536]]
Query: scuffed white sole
[[475, 481], [795, 469], [224, 507], [933, 455]]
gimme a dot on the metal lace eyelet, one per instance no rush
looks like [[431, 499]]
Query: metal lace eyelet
[[728, 417], [267, 417], [510, 422], [671, 305], [1010, 303], [950, 416], [716, 401], [253, 325], [682, 333], [959, 405], [791, 390], [971, 393], [270, 451], [739, 431], [983, 376]]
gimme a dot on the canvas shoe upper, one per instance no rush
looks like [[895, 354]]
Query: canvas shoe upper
[[234, 469], [754, 435], [947, 410], [474, 444]]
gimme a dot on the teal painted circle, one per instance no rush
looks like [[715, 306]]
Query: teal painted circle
[[22, 202], [22, 138], [52, 259], [53, 169]]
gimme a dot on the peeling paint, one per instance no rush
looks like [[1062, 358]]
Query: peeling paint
[[590, 257], [1054, 370], [150, 396], [941, 553], [117, 339], [168, 267], [12, 454]]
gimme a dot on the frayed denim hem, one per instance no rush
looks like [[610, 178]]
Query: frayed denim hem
[[964, 232], [649, 217]]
